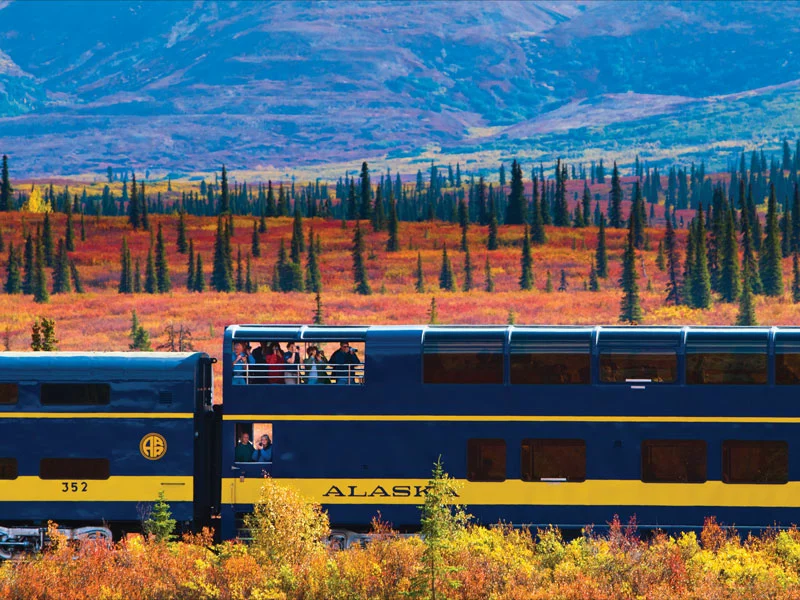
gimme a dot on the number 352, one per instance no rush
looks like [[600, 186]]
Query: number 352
[[74, 486]]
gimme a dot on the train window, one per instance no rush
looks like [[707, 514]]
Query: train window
[[553, 460], [9, 393], [624, 367], [75, 393], [748, 461], [486, 460], [463, 357], [8, 468], [550, 368], [787, 368], [74, 468], [674, 461], [298, 362], [726, 368], [253, 442]]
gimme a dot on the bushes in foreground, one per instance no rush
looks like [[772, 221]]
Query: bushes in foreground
[[287, 560]]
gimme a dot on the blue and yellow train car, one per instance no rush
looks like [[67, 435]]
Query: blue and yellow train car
[[90, 439], [540, 425]]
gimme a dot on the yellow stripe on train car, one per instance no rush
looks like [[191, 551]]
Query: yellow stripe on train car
[[121, 488], [516, 492], [518, 418]]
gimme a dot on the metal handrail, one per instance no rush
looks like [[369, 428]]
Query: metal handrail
[[298, 373]]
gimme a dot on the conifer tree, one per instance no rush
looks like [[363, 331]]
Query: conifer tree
[[190, 268], [162, 265], [729, 268], [446, 277], [137, 276], [224, 196], [126, 273], [5, 187], [433, 313], [378, 216], [586, 205], [249, 285], [39, 283], [517, 208], [748, 256], [673, 265], [83, 229], [795, 279], [239, 270], [48, 341], [796, 219], [61, 274], [352, 206], [77, 283], [199, 275], [319, 315], [2, 242], [594, 282], [563, 284], [47, 240], [262, 222], [255, 245], [538, 234], [133, 205], [631, 309], [29, 259], [69, 238], [144, 209], [13, 283], [393, 243], [140, 339], [313, 275], [661, 261], [637, 216], [298, 245], [526, 262], [786, 232], [222, 273], [468, 283], [601, 254], [615, 201], [491, 241], [487, 275], [290, 274], [36, 336], [747, 312], [365, 210], [463, 221], [150, 277], [359, 269], [548, 284], [181, 244], [770, 257], [419, 285]]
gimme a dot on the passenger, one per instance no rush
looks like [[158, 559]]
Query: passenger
[[311, 362], [242, 360], [273, 360], [343, 360], [263, 452], [259, 372], [244, 449], [291, 360]]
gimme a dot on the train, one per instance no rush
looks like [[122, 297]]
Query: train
[[540, 425]]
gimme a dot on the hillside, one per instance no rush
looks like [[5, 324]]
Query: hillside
[[182, 87]]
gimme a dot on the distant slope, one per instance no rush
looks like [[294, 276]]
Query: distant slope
[[177, 86]]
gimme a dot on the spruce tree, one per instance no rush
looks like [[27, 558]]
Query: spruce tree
[[224, 196], [748, 255], [615, 201], [5, 187], [393, 243], [594, 282], [747, 312], [239, 270], [729, 268], [419, 285], [319, 316], [13, 283], [137, 276], [601, 254], [463, 221], [262, 222], [447, 280], [83, 229], [150, 277], [786, 232], [255, 245], [517, 208], [29, 260], [313, 275], [359, 268], [133, 205], [795, 279], [630, 309], [563, 284], [491, 241], [181, 243], [140, 339], [433, 313], [190, 268], [661, 261], [538, 234], [700, 280], [468, 283], [487, 275], [290, 275], [162, 265], [548, 284], [49, 341], [61, 274], [144, 209], [222, 275], [586, 203], [770, 257], [47, 240], [249, 285], [199, 275], [378, 216], [36, 336], [39, 283], [673, 265], [365, 210], [69, 238], [77, 283], [126, 272], [298, 245], [526, 263]]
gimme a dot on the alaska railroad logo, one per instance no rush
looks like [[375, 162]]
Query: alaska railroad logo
[[153, 446]]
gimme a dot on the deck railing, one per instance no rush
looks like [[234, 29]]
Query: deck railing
[[294, 374]]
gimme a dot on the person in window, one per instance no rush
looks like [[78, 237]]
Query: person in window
[[291, 360], [311, 365], [270, 356], [242, 360], [263, 451], [244, 449], [343, 360]]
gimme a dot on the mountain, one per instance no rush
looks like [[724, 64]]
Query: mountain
[[272, 86]]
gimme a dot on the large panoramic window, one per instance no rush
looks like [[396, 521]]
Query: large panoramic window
[[75, 393], [787, 368], [751, 461], [674, 461], [616, 367], [74, 468], [9, 393], [553, 460], [486, 460], [8, 468], [460, 357], [298, 362]]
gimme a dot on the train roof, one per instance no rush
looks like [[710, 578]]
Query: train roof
[[94, 366]]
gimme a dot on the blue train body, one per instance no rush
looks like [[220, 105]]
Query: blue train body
[[540, 425]]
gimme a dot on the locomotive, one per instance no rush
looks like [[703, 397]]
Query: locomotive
[[540, 425]]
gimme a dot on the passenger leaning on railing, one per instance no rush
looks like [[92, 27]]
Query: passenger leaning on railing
[[311, 366], [241, 363], [291, 359], [269, 358], [343, 360]]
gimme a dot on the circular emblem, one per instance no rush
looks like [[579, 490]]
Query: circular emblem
[[153, 446]]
